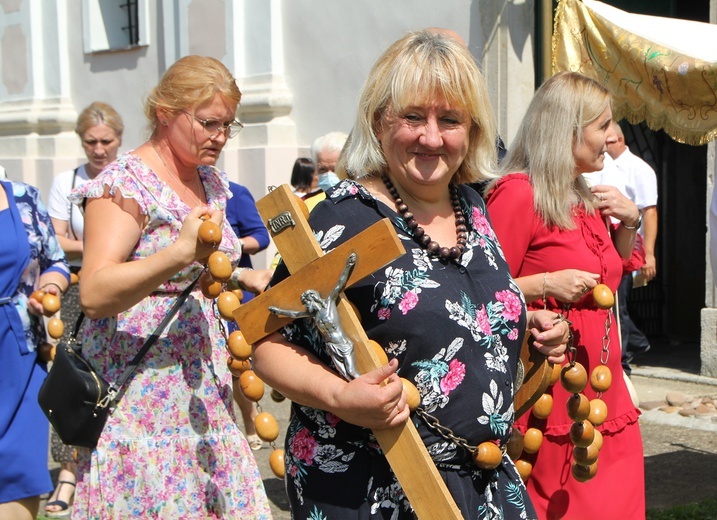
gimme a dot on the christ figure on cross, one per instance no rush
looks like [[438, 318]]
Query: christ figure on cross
[[325, 316]]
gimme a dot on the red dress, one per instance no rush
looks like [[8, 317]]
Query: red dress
[[530, 247]]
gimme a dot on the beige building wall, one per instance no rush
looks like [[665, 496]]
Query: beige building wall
[[300, 65]]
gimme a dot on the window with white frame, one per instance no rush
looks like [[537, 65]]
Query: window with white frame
[[111, 25]]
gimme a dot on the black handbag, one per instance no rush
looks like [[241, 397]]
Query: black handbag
[[76, 399]]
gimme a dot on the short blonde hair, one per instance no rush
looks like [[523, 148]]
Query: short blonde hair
[[421, 66], [543, 147], [99, 113], [191, 81]]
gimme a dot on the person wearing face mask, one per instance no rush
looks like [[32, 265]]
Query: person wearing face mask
[[325, 153], [100, 128]]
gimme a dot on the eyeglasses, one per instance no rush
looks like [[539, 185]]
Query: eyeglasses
[[213, 127]]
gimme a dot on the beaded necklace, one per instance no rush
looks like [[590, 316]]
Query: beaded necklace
[[420, 235]]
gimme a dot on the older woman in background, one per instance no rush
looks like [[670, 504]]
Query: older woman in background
[[449, 316], [100, 129], [172, 447], [559, 245]]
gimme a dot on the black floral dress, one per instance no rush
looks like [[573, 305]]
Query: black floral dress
[[456, 329]]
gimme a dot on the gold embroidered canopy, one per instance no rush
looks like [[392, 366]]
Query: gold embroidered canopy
[[660, 70]]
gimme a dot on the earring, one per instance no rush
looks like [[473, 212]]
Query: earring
[[164, 122]]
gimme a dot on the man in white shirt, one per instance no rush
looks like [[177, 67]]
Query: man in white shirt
[[641, 187]]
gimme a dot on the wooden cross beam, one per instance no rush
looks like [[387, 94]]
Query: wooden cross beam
[[311, 269]]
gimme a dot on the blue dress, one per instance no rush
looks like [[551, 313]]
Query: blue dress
[[245, 220], [28, 247]]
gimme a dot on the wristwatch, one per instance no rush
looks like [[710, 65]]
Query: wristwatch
[[637, 224]]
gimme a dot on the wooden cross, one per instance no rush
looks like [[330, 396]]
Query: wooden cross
[[311, 269]]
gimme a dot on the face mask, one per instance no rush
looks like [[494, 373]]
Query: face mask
[[327, 180]]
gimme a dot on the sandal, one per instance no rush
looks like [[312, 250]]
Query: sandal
[[255, 442], [64, 511]]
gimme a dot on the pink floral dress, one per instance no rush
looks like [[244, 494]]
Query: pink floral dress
[[172, 448], [456, 328]]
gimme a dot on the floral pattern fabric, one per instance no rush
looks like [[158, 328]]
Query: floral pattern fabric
[[456, 329], [44, 255], [171, 448]]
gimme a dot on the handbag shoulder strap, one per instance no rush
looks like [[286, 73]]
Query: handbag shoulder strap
[[69, 220], [151, 340]]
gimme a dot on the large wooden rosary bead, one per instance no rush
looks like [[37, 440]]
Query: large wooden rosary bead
[[574, 378], [515, 444], [601, 378], [227, 303], [276, 463], [209, 233], [55, 328], [266, 427], [220, 267], [543, 406], [603, 296], [584, 473], [277, 396], [585, 456], [532, 440], [50, 304], [524, 468], [413, 396], [582, 433], [487, 455], [238, 346], [251, 385], [237, 367], [598, 412], [210, 287], [555, 374], [578, 407]]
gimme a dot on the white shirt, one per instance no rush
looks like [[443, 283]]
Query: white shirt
[[609, 176], [59, 207], [640, 179]]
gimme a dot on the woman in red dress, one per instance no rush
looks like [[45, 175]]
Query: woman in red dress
[[559, 244]]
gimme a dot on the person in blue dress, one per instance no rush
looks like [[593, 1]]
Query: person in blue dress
[[246, 222], [30, 258]]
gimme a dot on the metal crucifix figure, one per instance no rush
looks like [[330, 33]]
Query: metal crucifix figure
[[325, 316]]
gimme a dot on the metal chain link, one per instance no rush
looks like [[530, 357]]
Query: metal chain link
[[605, 353], [444, 431]]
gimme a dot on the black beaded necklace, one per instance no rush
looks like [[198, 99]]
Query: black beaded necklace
[[420, 235]]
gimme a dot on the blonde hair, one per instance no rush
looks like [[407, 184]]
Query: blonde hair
[[190, 81], [419, 67], [99, 113], [543, 146]]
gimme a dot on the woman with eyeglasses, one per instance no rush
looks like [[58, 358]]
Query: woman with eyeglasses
[[172, 447]]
